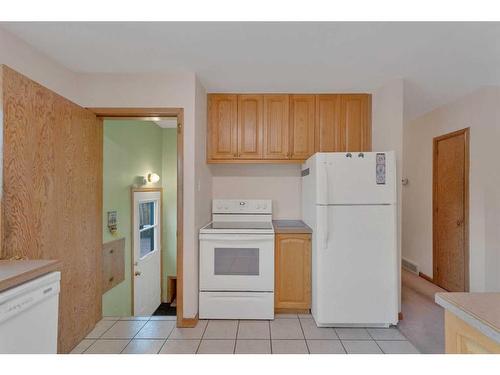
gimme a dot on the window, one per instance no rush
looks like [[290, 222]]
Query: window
[[148, 227]]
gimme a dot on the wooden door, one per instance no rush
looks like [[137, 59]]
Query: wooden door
[[276, 135], [292, 271], [450, 211], [250, 111], [52, 201], [222, 134], [302, 118], [328, 138], [355, 122]]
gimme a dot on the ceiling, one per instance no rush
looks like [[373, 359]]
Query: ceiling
[[167, 123], [439, 61]]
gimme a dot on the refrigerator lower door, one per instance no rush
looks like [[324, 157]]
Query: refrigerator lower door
[[355, 278]]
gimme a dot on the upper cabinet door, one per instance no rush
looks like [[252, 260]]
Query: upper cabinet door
[[302, 118], [328, 137], [222, 134], [276, 124], [250, 110], [355, 122]]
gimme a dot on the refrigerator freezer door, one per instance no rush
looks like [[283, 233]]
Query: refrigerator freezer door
[[356, 266], [356, 178]]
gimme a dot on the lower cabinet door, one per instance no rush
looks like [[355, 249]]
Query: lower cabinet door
[[292, 272], [461, 338]]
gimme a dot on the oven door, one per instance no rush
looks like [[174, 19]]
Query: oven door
[[237, 262]]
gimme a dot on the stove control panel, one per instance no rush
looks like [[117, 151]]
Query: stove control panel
[[245, 206]]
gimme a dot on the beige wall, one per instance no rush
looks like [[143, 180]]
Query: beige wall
[[21, 57], [203, 190], [159, 90], [481, 112], [387, 135], [166, 90], [280, 182]]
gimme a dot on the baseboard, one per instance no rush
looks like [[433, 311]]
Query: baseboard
[[425, 277], [187, 322], [291, 311]]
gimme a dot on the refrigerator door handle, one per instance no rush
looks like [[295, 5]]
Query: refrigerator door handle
[[326, 227], [325, 186]]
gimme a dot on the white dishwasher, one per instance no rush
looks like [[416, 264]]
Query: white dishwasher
[[28, 316]]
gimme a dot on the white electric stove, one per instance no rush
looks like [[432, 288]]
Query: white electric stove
[[237, 261]]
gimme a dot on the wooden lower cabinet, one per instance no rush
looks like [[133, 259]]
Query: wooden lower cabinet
[[461, 338], [292, 286]]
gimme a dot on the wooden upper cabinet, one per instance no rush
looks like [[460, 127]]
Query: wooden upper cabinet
[[355, 122], [276, 124], [328, 138], [302, 120], [250, 109], [281, 128], [222, 135]]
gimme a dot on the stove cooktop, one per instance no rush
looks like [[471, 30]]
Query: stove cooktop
[[235, 226]]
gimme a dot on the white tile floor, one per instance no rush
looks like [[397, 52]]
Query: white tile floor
[[287, 334]]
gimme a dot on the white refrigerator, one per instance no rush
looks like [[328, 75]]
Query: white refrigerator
[[349, 200]]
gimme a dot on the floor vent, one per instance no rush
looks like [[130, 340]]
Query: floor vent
[[410, 266]]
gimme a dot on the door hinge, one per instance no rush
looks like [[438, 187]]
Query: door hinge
[[179, 127]]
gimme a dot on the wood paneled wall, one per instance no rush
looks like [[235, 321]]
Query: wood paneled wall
[[52, 195]]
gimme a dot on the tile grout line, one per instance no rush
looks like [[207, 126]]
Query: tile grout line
[[236, 338], [341, 343], [119, 319], [139, 330], [373, 338], [303, 334], [99, 337], [270, 336], [168, 336], [203, 334]]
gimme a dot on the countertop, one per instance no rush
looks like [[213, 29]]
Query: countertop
[[16, 272], [291, 226], [479, 310]]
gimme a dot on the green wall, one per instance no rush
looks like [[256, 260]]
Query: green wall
[[169, 184], [131, 150]]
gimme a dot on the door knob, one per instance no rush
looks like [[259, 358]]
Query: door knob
[[137, 273]]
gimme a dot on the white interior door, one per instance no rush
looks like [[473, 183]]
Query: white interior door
[[147, 252]]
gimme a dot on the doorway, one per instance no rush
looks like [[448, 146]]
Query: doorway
[[158, 115], [451, 211], [147, 251]]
